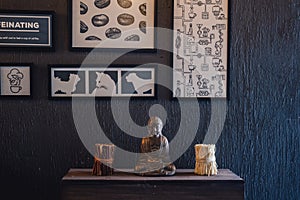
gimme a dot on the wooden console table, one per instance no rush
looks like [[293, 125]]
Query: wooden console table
[[79, 184]]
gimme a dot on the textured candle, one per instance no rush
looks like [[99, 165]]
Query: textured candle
[[205, 159]]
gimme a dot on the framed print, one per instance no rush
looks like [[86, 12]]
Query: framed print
[[15, 79], [26, 29], [113, 24], [200, 47], [116, 81]]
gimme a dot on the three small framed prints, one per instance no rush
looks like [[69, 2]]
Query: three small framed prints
[[75, 81]]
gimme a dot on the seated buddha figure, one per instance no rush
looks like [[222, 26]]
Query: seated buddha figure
[[154, 157]]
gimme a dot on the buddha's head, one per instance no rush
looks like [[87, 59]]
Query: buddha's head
[[155, 126]]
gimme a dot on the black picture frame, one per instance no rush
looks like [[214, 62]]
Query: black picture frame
[[15, 79], [98, 37], [26, 29], [98, 81]]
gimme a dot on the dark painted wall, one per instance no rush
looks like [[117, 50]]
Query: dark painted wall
[[260, 140]]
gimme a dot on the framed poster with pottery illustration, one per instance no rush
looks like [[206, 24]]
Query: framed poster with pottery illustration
[[93, 81], [15, 79], [200, 46], [125, 24]]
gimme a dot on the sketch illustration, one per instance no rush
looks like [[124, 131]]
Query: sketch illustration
[[200, 46], [140, 85], [15, 80], [105, 86], [121, 24], [15, 77], [102, 82]]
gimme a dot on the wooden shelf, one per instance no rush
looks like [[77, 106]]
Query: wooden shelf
[[80, 184]]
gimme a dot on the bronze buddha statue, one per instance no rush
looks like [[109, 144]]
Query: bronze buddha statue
[[154, 157]]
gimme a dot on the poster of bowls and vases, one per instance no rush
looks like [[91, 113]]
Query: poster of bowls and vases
[[76, 81], [200, 46], [15, 79], [113, 24]]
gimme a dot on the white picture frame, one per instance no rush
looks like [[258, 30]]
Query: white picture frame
[[200, 45], [112, 24]]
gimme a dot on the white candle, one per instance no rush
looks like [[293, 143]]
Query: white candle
[[205, 159]]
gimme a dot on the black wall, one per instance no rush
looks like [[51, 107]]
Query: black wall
[[260, 140]]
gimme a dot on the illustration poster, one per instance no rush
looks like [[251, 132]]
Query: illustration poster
[[113, 24], [200, 48]]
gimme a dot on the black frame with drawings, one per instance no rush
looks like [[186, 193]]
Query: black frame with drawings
[[111, 74]]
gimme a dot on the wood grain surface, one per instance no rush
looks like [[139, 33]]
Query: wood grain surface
[[80, 184]]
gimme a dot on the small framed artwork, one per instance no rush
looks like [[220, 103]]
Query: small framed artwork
[[125, 24], [26, 29], [200, 45], [93, 81], [15, 79]]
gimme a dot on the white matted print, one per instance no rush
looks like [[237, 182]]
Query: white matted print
[[102, 82], [200, 48], [15, 80], [113, 24]]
